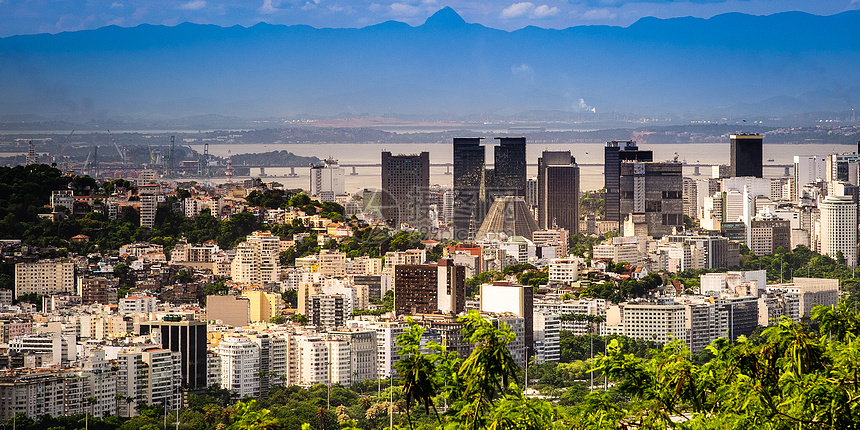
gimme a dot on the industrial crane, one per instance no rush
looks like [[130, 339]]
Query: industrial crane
[[60, 159], [118, 150]]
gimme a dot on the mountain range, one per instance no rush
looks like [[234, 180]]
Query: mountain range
[[731, 64]]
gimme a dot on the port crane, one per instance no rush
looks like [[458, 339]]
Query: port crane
[[118, 150]]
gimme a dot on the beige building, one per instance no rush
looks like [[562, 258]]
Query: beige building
[[332, 263], [257, 261], [45, 277], [230, 310]]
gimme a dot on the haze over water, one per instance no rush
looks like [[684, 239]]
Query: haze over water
[[591, 177]]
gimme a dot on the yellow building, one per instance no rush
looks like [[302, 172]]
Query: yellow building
[[263, 305]]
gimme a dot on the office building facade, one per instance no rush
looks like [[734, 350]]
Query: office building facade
[[651, 197], [188, 338], [469, 198], [746, 155], [558, 191], [614, 153], [405, 185]]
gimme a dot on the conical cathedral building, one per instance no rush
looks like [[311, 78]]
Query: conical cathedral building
[[509, 216]]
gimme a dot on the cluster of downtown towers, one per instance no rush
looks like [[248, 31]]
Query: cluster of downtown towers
[[634, 184], [406, 197]]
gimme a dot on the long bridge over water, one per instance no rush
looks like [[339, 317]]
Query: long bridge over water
[[354, 166]]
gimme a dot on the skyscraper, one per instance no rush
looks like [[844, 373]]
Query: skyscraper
[[839, 228], [477, 187], [188, 338], [405, 183], [327, 181], [509, 170], [746, 155], [652, 197], [469, 200], [558, 191], [615, 152]]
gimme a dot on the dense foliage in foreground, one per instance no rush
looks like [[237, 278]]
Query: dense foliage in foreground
[[790, 376]]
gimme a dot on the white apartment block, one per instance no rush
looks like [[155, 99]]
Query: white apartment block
[[564, 270], [706, 322], [99, 381], [839, 228], [622, 249], [810, 292], [148, 203], [313, 360], [365, 266], [547, 330], [148, 374], [656, 322], [387, 351], [63, 348], [213, 369], [138, 304], [714, 284], [410, 256], [327, 181], [257, 261], [362, 347], [554, 237], [45, 277], [139, 249], [572, 307], [240, 365], [341, 364], [31, 394], [64, 198]]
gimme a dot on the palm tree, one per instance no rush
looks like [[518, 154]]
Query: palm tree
[[417, 371], [488, 369], [90, 401]]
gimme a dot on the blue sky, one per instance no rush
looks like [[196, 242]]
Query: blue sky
[[53, 16]]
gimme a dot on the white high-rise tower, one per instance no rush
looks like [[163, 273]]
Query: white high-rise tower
[[839, 228]]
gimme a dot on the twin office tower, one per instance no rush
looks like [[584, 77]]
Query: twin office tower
[[476, 187]]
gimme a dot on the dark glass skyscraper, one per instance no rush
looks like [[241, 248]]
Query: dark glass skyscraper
[[189, 338], [509, 170], [746, 155], [615, 152], [405, 185], [469, 198], [558, 191], [477, 187]]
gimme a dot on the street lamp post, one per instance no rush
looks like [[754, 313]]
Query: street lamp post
[[391, 400]]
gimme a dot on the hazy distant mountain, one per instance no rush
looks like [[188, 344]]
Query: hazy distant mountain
[[729, 64]]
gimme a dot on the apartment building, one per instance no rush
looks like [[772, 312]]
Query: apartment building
[[257, 260], [45, 277], [240, 365]]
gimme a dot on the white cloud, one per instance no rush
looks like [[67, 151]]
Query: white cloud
[[403, 9], [517, 10], [114, 5], [544, 11], [310, 5], [374, 7], [521, 69], [193, 5], [597, 14], [269, 6], [521, 9]]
